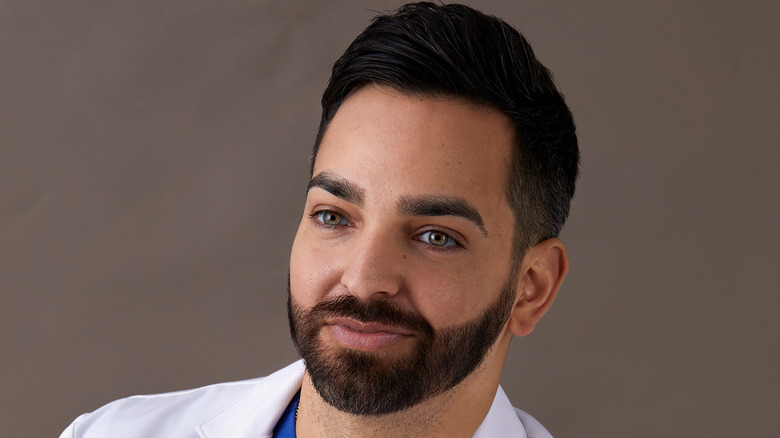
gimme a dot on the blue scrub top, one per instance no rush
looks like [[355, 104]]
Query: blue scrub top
[[285, 428]]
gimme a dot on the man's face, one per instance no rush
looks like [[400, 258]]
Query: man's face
[[400, 273]]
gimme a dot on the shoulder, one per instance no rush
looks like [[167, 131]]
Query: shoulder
[[148, 415], [174, 414]]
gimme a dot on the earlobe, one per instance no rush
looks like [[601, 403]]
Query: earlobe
[[542, 271]]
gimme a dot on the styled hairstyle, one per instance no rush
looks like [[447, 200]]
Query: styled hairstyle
[[425, 49]]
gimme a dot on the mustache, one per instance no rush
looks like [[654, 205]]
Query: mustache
[[375, 311]]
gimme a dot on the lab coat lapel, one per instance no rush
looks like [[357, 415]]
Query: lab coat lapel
[[256, 414]]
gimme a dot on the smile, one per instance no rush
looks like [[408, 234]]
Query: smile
[[364, 336]]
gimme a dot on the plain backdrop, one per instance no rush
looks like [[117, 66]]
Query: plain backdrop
[[153, 164]]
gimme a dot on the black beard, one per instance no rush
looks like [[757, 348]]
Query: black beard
[[364, 383]]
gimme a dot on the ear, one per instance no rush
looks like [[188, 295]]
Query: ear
[[540, 276]]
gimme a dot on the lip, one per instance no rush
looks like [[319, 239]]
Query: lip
[[365, 336]]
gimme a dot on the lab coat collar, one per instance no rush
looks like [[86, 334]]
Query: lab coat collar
[[501, 420], [255, 414]]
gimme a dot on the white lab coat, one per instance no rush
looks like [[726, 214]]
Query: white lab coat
[[245, 409]]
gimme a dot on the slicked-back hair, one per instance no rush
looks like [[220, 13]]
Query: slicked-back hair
[[425, 49]]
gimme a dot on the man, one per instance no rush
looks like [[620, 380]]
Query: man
[[441, 175]]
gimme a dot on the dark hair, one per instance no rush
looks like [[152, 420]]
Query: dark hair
[[453, 50]]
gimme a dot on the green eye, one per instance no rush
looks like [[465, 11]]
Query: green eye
[[331, 218], [437, 238]]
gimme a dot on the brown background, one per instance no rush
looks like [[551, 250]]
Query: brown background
[[153, 166]]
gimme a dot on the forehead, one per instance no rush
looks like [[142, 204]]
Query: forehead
[[417, 136], [403, 145]]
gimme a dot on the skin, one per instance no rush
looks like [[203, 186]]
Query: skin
[[441, 263]]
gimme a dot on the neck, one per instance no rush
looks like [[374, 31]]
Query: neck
[[455, 413]]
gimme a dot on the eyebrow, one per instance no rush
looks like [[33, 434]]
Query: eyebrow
[[441, 206], [338, 187]]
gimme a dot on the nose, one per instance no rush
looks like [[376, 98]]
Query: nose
[[373, 267]]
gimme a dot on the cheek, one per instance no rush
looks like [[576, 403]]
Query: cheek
[[444, 300], [448, 299], [312, 271]]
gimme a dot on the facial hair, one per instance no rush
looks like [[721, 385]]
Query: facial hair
[[364, 383]]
